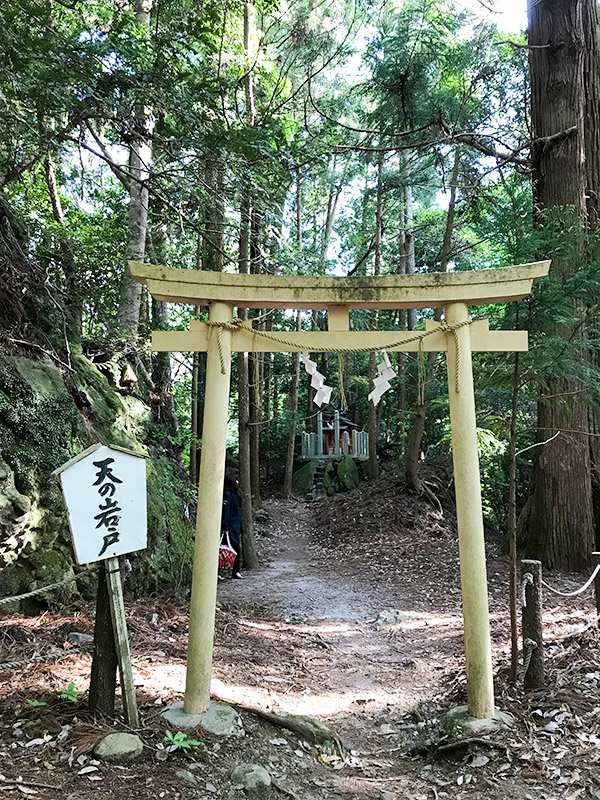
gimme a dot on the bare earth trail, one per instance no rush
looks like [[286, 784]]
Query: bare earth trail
[[306, 588], [304, 634]]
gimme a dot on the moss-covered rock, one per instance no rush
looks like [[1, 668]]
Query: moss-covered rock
[[347, 473], [302, 479], [331, 484], [45, 419]]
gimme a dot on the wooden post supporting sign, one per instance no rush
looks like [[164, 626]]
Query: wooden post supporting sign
[[105, 492], [117, 613], [103, 679]]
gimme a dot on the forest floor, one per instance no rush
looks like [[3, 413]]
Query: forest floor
[[308, 634]]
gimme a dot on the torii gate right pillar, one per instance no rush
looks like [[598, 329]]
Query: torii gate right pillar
[[473, 574]]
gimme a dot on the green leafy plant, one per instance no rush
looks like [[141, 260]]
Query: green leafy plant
[[70, 693], [181, 741], [36, 703]]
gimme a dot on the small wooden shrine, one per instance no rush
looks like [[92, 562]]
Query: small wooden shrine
[[335, 438]]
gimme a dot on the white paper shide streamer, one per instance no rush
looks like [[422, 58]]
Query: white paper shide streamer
[[382, 382], [322, 392]]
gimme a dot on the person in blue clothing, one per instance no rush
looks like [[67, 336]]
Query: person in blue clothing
[[231, 521]]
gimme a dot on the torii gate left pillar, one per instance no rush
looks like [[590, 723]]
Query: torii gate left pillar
[[456, 336], [208, 519]]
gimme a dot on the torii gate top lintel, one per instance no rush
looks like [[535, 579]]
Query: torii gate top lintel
[[423, 290]]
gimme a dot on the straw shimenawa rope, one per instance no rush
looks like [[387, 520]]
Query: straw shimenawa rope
[[236, 324]]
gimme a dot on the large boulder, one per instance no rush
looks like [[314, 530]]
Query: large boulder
[[331, 484], [44, 421], [302, 479], [219, 719], [347, 473]]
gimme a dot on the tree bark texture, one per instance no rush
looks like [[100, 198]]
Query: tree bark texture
[[140, 160], [291, 443], [67, 257], [532, 625], [163, 402], [373, 424], [407, 264], [103, 679], [591, 82], [512, 525], [249, 554], [415, 435], [255, 364], [214, 222], [561, 530]]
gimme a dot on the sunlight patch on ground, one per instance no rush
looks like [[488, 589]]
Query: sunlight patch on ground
[[319, 704], [158, 678], [347, 629]]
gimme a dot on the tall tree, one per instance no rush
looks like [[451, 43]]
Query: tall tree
[[561, 527], [373, 417], [250, 556], [140, 158], [293, 399], [69, 264]]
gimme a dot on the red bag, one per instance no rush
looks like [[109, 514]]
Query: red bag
[[227, 554]]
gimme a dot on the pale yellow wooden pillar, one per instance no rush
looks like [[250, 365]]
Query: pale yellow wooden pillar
[[480, 688], [210, 507]]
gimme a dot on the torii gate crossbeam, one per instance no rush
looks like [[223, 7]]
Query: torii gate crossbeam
[[455, 292]]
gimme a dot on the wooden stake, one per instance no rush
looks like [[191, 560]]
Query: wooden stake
[[117, 611], [532, 625], [103, 680], [336, 433]]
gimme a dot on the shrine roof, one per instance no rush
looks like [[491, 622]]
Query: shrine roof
[[423, 290]]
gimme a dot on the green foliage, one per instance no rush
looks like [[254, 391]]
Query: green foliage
[[182, 742], [70, 693], [332, 84], [38, 429]]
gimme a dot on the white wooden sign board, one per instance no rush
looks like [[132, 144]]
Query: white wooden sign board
[[105, 493]]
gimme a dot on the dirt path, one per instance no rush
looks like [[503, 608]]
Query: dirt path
[[307, 589], [297, 581], [302, 635]]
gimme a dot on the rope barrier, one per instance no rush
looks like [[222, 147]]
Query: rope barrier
[[236, 324], [43, 589], [55, 656], [527, 581], [528, 647], [577, 591]]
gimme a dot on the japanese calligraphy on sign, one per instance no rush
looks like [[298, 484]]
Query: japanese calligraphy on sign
[[105, 492]]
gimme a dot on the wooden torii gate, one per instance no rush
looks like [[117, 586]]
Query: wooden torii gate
[[457, 336]]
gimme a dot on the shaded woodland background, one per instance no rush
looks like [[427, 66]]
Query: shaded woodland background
[[331, 137]]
